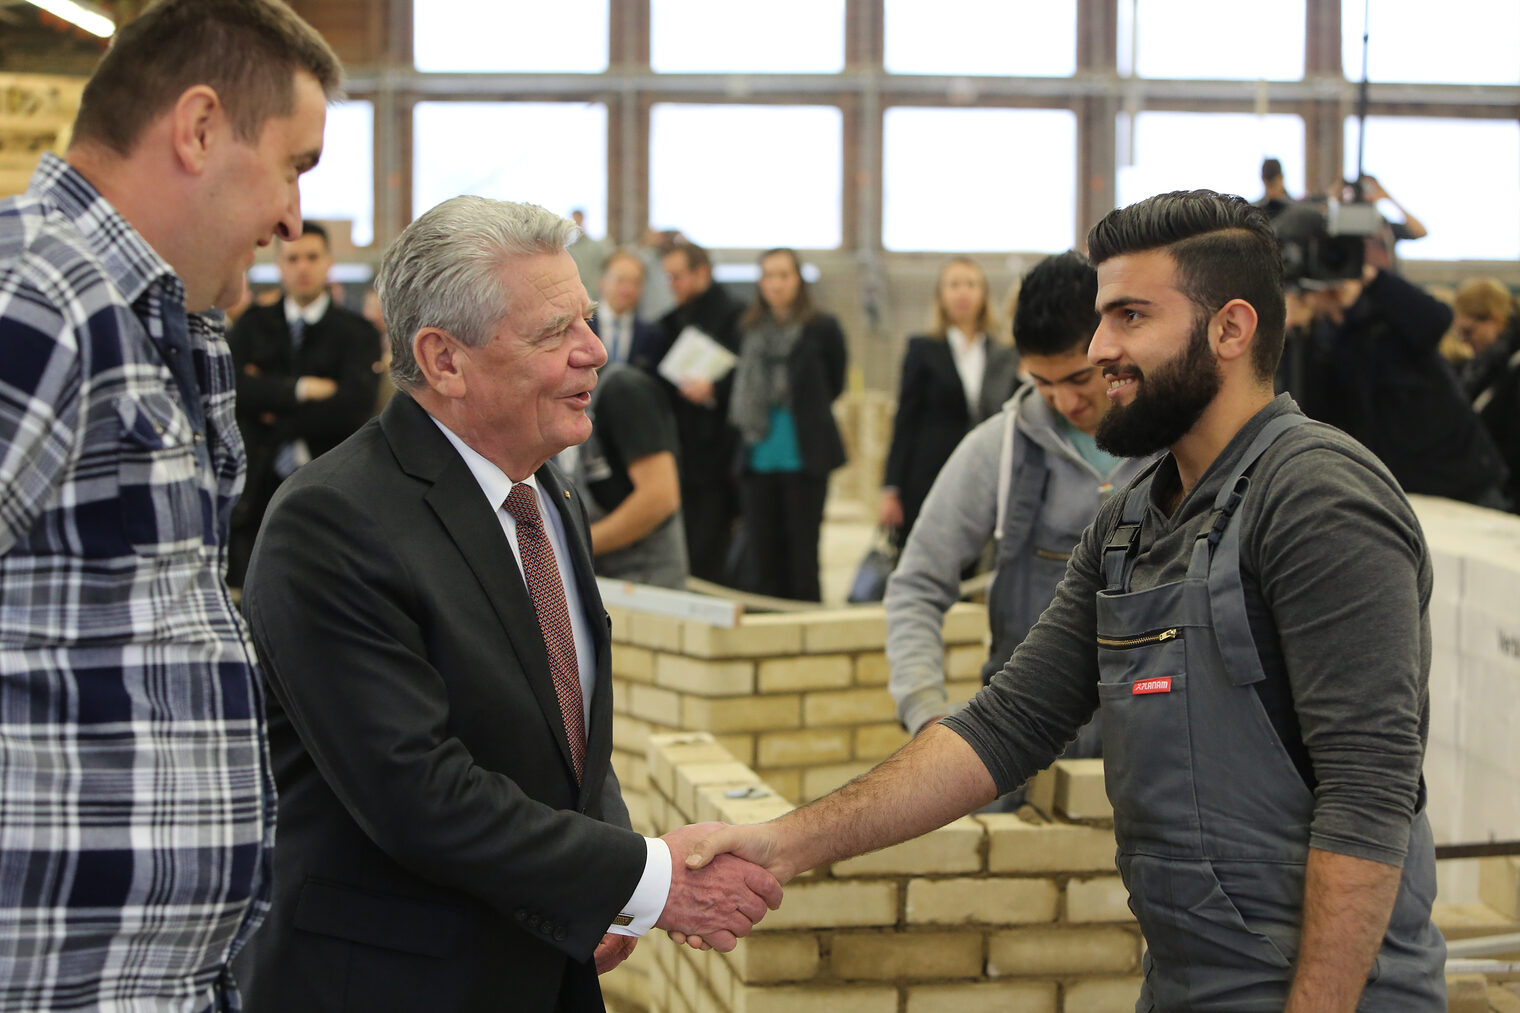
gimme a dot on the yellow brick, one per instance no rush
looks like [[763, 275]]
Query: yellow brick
[[988, 997], [822, 671], [1019, 847], [804, 748], [811, 999], [1080, 791], [749, 714], [668, 751], [851, 629], [950, 849], [847, 707], [1499, 884], [965, 661], [892, 956], [1040, 791], [629, 732], [741, 745], [833, 903], [633, 663], [1102, 995], [776, 957], [990, 901], [660, 633], [819, 781], [720, 977], [657, 706], [871, 669], [961, 690], [1466, 993], [1056, 950], [1100, 899], [691, 776], [786, 783], [705, 678], [877, 742], [638, 812], [966, 623], [621, 688], [753, 808], [756, 636]]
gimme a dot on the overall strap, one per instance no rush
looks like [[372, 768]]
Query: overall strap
[[1219, 539], [1124, 540], [1015, 521]]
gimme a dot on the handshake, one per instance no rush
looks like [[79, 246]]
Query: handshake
[[723, 880]]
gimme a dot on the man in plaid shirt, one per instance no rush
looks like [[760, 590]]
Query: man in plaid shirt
[[136, 802]]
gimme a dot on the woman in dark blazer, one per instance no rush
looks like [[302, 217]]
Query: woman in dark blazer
[[952, 378], [791, 368]]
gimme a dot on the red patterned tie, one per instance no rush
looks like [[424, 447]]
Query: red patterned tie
[[542, 573]]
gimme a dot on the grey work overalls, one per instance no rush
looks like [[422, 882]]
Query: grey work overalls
[[1211, 816]]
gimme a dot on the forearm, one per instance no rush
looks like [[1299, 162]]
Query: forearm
[[932, 780], [656, 495], [1347, 904]]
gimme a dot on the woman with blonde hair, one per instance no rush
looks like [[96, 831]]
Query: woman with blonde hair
[[1487, 320], [955, 376]]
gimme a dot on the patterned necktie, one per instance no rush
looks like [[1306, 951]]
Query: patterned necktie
[[542, 573], [297, 335]]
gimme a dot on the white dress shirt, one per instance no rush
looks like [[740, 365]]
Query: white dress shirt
[[649, 897], [970, 356]]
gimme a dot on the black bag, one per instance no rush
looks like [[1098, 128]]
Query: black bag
[[870, 583]]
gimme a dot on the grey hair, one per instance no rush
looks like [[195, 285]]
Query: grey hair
[[444, 271]]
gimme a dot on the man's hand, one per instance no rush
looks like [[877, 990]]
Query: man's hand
[[315, 388], [890, 514], [697, 391], [718, 901], [612, 951]]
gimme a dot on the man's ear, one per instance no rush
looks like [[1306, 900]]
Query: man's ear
[[1236, 320], [443, 360], [195, 120]]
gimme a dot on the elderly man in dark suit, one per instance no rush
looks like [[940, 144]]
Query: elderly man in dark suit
[[451, 832], [306, 379]]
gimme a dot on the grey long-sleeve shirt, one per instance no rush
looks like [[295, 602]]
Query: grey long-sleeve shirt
[[1337, 583]]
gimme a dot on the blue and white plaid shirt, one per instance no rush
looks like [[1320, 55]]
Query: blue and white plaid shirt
[[136, 800]]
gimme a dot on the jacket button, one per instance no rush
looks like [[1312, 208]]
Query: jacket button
[[559, 934], [521, 916]]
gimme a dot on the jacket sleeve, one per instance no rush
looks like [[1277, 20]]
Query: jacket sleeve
[[331, 420], [958, 517], [905, 423], [835, 357], [258, 391], [1416, 319]]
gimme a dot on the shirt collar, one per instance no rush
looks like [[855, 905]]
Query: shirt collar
[[311, 313], [130, 262], [960, 340], [493, 481]]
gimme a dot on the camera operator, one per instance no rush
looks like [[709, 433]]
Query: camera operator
[[1367, 362]]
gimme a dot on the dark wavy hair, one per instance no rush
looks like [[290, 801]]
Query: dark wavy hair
[[1056, 312], [1224, 249]]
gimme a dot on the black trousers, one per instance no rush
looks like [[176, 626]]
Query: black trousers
[[782, 514], [708, 510]]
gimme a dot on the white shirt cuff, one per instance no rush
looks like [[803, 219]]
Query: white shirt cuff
[[648, 901]]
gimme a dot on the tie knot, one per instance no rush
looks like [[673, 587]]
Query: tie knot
[[522, 504]]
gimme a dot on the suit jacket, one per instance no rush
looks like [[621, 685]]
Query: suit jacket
[[815, 373], [933, 416], [708, 442], [342, 346], [434, 849], [648, 343]]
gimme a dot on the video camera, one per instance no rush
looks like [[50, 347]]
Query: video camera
[[1324, 241]]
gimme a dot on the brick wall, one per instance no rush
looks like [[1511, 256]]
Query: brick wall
[[988, 913]]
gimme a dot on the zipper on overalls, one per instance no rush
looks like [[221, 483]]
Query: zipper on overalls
[[1144, 639]]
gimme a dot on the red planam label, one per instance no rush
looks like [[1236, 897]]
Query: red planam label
[[1145, 686]]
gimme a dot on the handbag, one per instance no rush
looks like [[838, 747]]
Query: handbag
[[870, 583]]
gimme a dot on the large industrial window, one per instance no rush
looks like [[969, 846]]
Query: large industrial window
[[979, 179], [510, 36], [548, 153], [1018, 38], [1456, 41], [773, 37], [342, 186], [747, 176], [1456, 176], [1167, 151], [1209, 40]]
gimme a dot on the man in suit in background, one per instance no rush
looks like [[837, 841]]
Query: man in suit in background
[[452, 834], [709, 495], [616, 320], [305, 380]]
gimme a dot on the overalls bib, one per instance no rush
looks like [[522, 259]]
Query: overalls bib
[[1210, 815]]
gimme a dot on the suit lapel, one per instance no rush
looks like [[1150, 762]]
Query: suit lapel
[[456, 500], [943, 361]]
